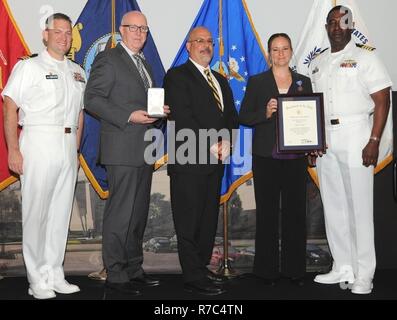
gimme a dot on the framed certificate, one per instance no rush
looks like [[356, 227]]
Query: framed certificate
[[300, 123]]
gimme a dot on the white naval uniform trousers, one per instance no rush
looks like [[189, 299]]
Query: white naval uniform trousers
[[49, 94], [347, 78], [47, 187]]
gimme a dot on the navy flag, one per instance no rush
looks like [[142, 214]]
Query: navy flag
[[96, 30], [238, 54]]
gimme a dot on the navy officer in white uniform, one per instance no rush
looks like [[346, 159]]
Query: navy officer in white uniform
[[355, 85], [47, 91]]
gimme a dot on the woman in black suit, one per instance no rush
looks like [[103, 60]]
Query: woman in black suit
[[274, 174]]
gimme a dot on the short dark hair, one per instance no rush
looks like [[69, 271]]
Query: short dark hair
[[57, 16], [340, 8], [276, 35]]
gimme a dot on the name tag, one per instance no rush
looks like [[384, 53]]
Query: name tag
[[51, 76]]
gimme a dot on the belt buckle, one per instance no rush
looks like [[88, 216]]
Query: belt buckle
[[68, 130], [334, 121]]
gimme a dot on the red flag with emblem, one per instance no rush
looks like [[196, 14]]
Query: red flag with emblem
[[12, 46]]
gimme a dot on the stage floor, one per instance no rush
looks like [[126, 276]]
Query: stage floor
[[244, 288]]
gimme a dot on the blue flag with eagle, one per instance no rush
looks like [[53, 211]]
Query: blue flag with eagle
[[96, 30], [238, 54]]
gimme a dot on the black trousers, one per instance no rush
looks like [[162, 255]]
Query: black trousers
[[195, 209], [272, 178], [124, 221]]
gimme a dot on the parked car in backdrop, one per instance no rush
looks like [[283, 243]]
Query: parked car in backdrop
[[245, 258], [317, 259], [218, 255], [157, 245], [219, 241], [174, 243]]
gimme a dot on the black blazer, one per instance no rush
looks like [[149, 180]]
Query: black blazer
[[260, 89], [193, 106], [114, 90]]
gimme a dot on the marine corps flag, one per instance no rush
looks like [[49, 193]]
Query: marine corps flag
[[96, 30], [314, 40], [12, 46], [238, 54]]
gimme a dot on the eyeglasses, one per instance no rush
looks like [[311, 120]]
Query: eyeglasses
[[134, 28], [202, 42]]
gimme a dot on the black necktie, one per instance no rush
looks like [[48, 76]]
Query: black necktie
[[141, 68]]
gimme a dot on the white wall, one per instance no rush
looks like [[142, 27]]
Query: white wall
[[170, 20]]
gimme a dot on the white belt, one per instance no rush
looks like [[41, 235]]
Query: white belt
[[49, 128]]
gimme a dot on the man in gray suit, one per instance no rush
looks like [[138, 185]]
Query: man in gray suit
[[116, 93]]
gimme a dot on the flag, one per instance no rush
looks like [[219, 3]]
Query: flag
[[314, 39], [95, 31], [12, 46], [238, 54]]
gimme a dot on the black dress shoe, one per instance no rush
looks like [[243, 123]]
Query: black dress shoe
[[299, 281], [204, 287], [145, 281], [123, 287], [216, 278]]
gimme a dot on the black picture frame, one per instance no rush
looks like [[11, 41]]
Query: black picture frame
[[300, 111]]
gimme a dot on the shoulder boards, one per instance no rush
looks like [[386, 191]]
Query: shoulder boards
[[28, 57], [365, 47]]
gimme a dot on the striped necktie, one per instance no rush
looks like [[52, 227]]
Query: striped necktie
[[141, 69], [213, 89]]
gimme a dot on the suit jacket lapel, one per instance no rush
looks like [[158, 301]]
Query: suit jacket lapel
[[296, 83], [197, 74], [131, 65], [273, 83]]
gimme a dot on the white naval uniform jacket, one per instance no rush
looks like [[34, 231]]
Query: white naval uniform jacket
[[347, 78], [47, 91]]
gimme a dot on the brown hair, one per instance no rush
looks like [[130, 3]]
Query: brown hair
[[276, 35]]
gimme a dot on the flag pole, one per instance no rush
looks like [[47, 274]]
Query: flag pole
[[221, 47], [113, 23], [225, 268]]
